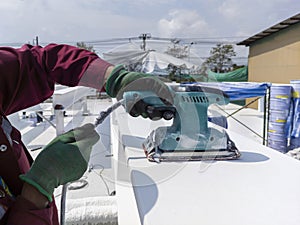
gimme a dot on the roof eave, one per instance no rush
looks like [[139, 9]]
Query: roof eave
[[277, 27]]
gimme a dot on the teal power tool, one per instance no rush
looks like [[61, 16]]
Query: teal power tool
[[189, 137]]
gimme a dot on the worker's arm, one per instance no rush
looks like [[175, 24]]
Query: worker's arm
[[29, 73]]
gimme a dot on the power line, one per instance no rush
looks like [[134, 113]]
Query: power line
[[140, 38]]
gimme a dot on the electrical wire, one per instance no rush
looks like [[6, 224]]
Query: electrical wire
[[81, 183], [114, 41], [92, 169]]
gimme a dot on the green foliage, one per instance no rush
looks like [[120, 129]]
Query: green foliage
[[85, 46], [177, 74], [220, 58]]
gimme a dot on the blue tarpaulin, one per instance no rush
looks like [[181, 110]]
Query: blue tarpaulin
[[296, 119], [237, 90]]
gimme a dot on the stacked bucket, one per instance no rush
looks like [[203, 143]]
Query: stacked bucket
[[295, 132], [280, 106]]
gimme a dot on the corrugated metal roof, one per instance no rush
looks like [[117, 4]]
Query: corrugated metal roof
[[280, 26]]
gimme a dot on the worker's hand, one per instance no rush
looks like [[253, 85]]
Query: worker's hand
[[63, 160], [121, 80]]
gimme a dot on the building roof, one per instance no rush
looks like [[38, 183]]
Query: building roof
[[278, 27]]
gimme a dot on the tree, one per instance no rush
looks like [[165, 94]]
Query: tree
[[85, 46], [220, 58]]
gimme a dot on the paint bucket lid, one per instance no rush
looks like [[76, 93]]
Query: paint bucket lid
[[280, 91], [295, 82]]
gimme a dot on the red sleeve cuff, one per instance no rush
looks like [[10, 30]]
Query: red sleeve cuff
[[94, 76]]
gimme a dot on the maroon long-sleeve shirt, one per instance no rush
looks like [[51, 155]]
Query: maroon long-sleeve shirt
[[27, 77]]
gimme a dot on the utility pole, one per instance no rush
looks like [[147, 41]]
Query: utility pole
[[144, 37], [35, 41]]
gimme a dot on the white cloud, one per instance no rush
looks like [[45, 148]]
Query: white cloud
[[151, 3], [230, 9], [9, 5], [183, 23], [250, 17]]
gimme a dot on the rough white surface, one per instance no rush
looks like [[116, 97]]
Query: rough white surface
[[92, 210]]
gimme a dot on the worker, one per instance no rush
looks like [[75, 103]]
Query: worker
[[28, 75]]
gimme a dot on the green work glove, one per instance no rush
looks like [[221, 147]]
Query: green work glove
[[63, 160], [121, 80]]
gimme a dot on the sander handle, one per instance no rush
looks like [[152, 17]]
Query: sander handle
[[155, 107]]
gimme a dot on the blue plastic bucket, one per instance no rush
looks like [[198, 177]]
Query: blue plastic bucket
[[278, 146], [280, 97], [277, 116], [280, 104], [277, 128], [277, 142], [277, 137]]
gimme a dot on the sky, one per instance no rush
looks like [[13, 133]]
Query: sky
[[88, 20]]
